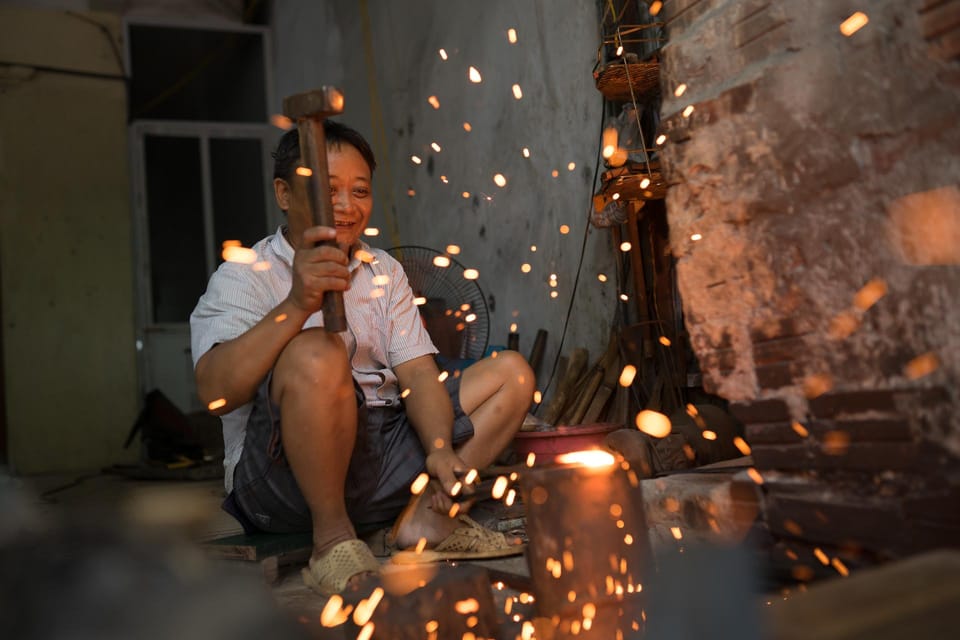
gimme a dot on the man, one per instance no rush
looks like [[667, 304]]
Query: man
[[326, 431]]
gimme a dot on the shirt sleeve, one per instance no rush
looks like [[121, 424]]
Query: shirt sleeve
[[231, 305], [408, 335]]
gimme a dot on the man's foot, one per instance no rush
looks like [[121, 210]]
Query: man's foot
[[332, 571]]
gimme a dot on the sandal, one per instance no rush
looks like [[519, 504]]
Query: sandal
[[330, 573], [469, 542]]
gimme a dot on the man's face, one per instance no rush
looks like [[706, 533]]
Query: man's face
[[350, 191]]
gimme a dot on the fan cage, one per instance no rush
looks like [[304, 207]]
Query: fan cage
[[447, 287]]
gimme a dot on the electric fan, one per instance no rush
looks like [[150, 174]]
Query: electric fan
[[452, 306]]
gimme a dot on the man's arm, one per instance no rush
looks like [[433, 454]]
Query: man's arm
[[234, 369], [431, 414]]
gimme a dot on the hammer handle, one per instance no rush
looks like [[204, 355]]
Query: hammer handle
[[313, 151]]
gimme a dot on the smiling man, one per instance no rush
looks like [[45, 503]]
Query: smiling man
[[318, 436]]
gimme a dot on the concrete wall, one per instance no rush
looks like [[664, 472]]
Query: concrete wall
[[384, 55], [65, 244]]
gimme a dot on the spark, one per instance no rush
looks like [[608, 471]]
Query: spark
[[665, 341], [602, 277], [378, 293], [537, 396], [653, 423], [419, 484], [420, 300], [465, 194], [444, 180], [434, 102], [333, 613], [624, 297], [591, 458], [709, 435], [471, 274], [441, 261], [471, 317], [571, 166], [415, 159], [499, 180], [821, 556], [364, 256], [435, 147], [470, 605], [525, 267], [922, 365], [609, 141], [564, 229], [366, 632], [870, 294], [406, 392], [381, 280], [454, 510], [438, 443], [625, 246], [680, 90], [443, 376], [655, 7], [216, 404], [840, 567], [741, 445], [854, 23], [432, 626], [677, 533], [280, 318], [511, 496], [241, 255], [306, 172], [755, 475], [453, 249], [533, 248], [443, 54], [531, 458], [366, 607], [554, 294], [281, 121], [616, 510], [628, 539], [661, 139], [371, 231], [645, 183], [513, 327], [499, 487], [421, 545], [554, 173], [411, 192], [800, 429], [696, 237], [467, 127], [619, 51], [517, 91], [474, 75], [627, 375], [615, 196], [526, 152], [686, 112]]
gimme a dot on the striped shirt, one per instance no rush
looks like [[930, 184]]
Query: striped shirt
[[384, 328]]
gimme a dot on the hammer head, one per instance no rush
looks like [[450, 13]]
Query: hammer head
[[316, 103]]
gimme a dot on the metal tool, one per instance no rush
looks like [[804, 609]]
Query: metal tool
[[308, 110]]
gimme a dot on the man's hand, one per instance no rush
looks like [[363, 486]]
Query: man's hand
[[445, 465], [317, 269]]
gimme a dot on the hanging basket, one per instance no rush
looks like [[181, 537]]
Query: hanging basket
[[612, 80]]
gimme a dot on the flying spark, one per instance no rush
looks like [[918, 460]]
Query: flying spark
[[517, 91], [419, 484], [512, 35], [474, 75], [661, 139], [415, 159], [655, 7], [499, 180], [453, 249], [471, 274], [564, 229], [526, 152], [602, 277], [571, 166], [216, 404], [554, 173], [443, 376], [441, 261], [435, 146], [281, 122], [443, 54], [696, 237], [434, 102], [854, 23], [371, 231], [680, 90], [525, 268], [665, 341], [537, 396], [467, 127], [615, 196], [653, 423], [420, 300], [465, 194], [921, 366], [686, 112]]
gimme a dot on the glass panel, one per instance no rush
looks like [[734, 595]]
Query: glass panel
[[178, 271], [236, 176], [196, 74]]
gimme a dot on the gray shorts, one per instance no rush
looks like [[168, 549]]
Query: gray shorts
[[386, 458]]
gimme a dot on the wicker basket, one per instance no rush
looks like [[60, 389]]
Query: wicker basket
[[613, 84]]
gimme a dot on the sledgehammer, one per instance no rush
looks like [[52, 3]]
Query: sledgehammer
[[308, 110]]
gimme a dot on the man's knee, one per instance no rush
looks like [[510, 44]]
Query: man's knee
[[515, 373], [314, 359]]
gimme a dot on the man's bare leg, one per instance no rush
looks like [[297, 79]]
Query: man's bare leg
[[313, 386], [496, 393]]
